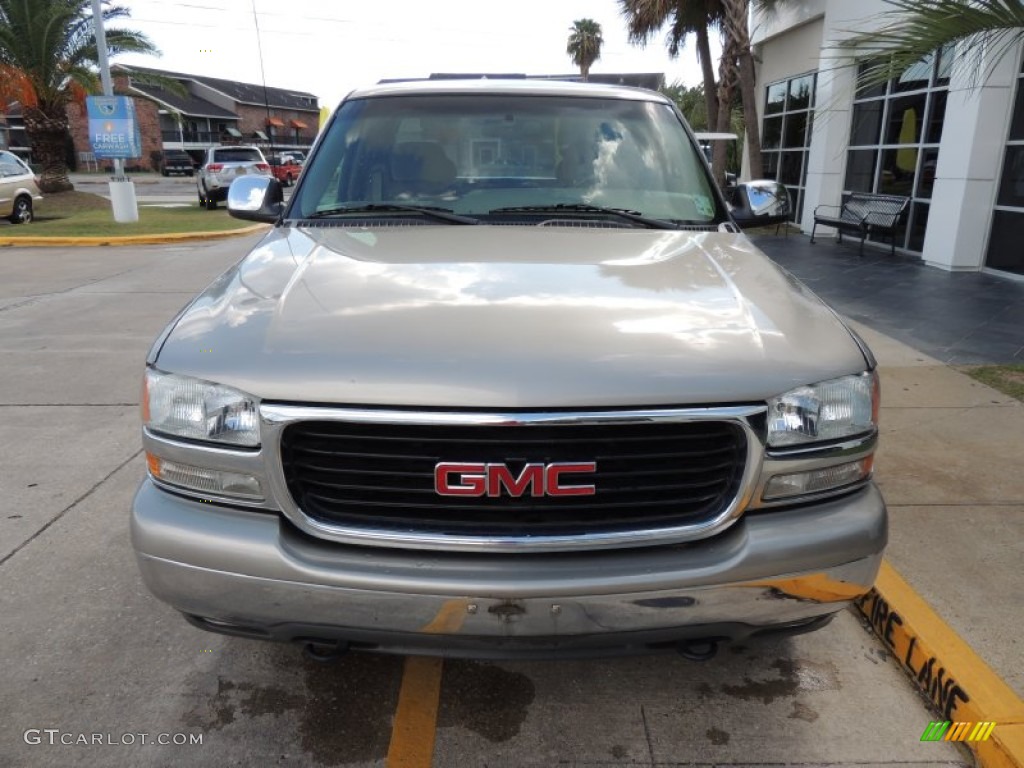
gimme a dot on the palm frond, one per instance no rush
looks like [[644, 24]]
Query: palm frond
[[981, 31], [646, 18]]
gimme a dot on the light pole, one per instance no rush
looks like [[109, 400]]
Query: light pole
[[122, 191], [101, 49]]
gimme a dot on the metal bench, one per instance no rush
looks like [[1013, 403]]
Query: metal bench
[[864, 213]]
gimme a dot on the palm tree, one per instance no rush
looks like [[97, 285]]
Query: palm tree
[[645, 17], [736, 66], [584, 45], [983, 31], [736, 22], [47, 58]]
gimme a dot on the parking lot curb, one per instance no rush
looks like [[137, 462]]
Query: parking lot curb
[[174, 237], [958, 683]]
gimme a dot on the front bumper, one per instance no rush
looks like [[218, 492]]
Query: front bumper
[[252, 573]]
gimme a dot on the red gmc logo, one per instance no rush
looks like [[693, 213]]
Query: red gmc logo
[[452, 478]]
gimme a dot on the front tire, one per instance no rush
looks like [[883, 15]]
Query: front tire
[[22, 211]]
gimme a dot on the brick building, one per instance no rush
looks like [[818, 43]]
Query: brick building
[[210, 111]]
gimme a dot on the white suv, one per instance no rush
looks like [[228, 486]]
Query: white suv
[[221, 166]]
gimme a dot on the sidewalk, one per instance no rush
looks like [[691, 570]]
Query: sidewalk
[[959, 318], [951, 456]]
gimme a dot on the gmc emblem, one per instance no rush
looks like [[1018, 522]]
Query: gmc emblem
[[453, 478]]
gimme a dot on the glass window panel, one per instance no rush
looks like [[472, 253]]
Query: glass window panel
[[796, 131], [867, 123], [918, 225], [867, 93], [772, 133], [918, 76], [791, 168], [903, 125], [860, 170], [1017, 122], [1004, 251], [776, 100], [944, 66], [926, 181], [770, 165], [801, 92], [796, 197], [936, 116], [1011, 188], [898, 170]]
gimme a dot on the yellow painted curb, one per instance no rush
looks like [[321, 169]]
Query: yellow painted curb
[[959, 684], [172, 237], [1004, 749]]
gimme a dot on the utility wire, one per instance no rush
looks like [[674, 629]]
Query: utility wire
[[263, 74]]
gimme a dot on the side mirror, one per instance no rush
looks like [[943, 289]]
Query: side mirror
[[760, 203], [256, 198]]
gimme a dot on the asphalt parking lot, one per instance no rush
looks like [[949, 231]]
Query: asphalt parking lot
[[85, 650]]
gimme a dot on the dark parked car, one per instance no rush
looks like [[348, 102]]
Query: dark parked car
[[176, 161]]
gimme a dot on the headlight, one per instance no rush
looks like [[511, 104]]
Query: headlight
[[830, 410], [180, 406]]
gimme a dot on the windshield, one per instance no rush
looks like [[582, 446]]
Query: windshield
[[237, 155], [474, 154]]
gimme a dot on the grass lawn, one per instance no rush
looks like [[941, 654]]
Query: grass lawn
[[1008, 379], [81, 214]]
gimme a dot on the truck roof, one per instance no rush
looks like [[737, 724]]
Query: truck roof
[[508, 87]]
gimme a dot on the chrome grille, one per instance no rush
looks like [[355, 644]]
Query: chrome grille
[[380, 476]]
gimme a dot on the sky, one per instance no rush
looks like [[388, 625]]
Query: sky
[[328, 48]]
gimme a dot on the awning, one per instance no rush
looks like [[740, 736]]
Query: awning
[[233, 132], [298, 124], [277, 122], [261, 136]]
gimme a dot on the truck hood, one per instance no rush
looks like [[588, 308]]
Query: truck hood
[[508, 317]]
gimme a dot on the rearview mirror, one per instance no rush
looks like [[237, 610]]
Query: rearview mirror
[[256, 198], [760, 203]]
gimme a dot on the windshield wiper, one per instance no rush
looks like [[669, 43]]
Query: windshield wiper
[[622, 213], [430, 211]]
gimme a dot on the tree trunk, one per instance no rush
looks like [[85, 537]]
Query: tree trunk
[[710, 86], [726, 94], [47, 135], [737, 26], [749, 95]]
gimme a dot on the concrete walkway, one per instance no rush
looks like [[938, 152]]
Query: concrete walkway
[[950, 457], [959, 318]]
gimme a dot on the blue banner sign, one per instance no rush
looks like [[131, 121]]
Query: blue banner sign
[[113, 129]]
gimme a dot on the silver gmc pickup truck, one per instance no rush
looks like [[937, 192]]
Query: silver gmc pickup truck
[[506, 378]]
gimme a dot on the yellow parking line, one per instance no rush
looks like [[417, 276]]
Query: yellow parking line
[[959, 684], [412, 735], [415, 726]]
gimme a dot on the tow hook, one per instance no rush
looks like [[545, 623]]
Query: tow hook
[[507, 610], [325, 652], [698, 650]]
